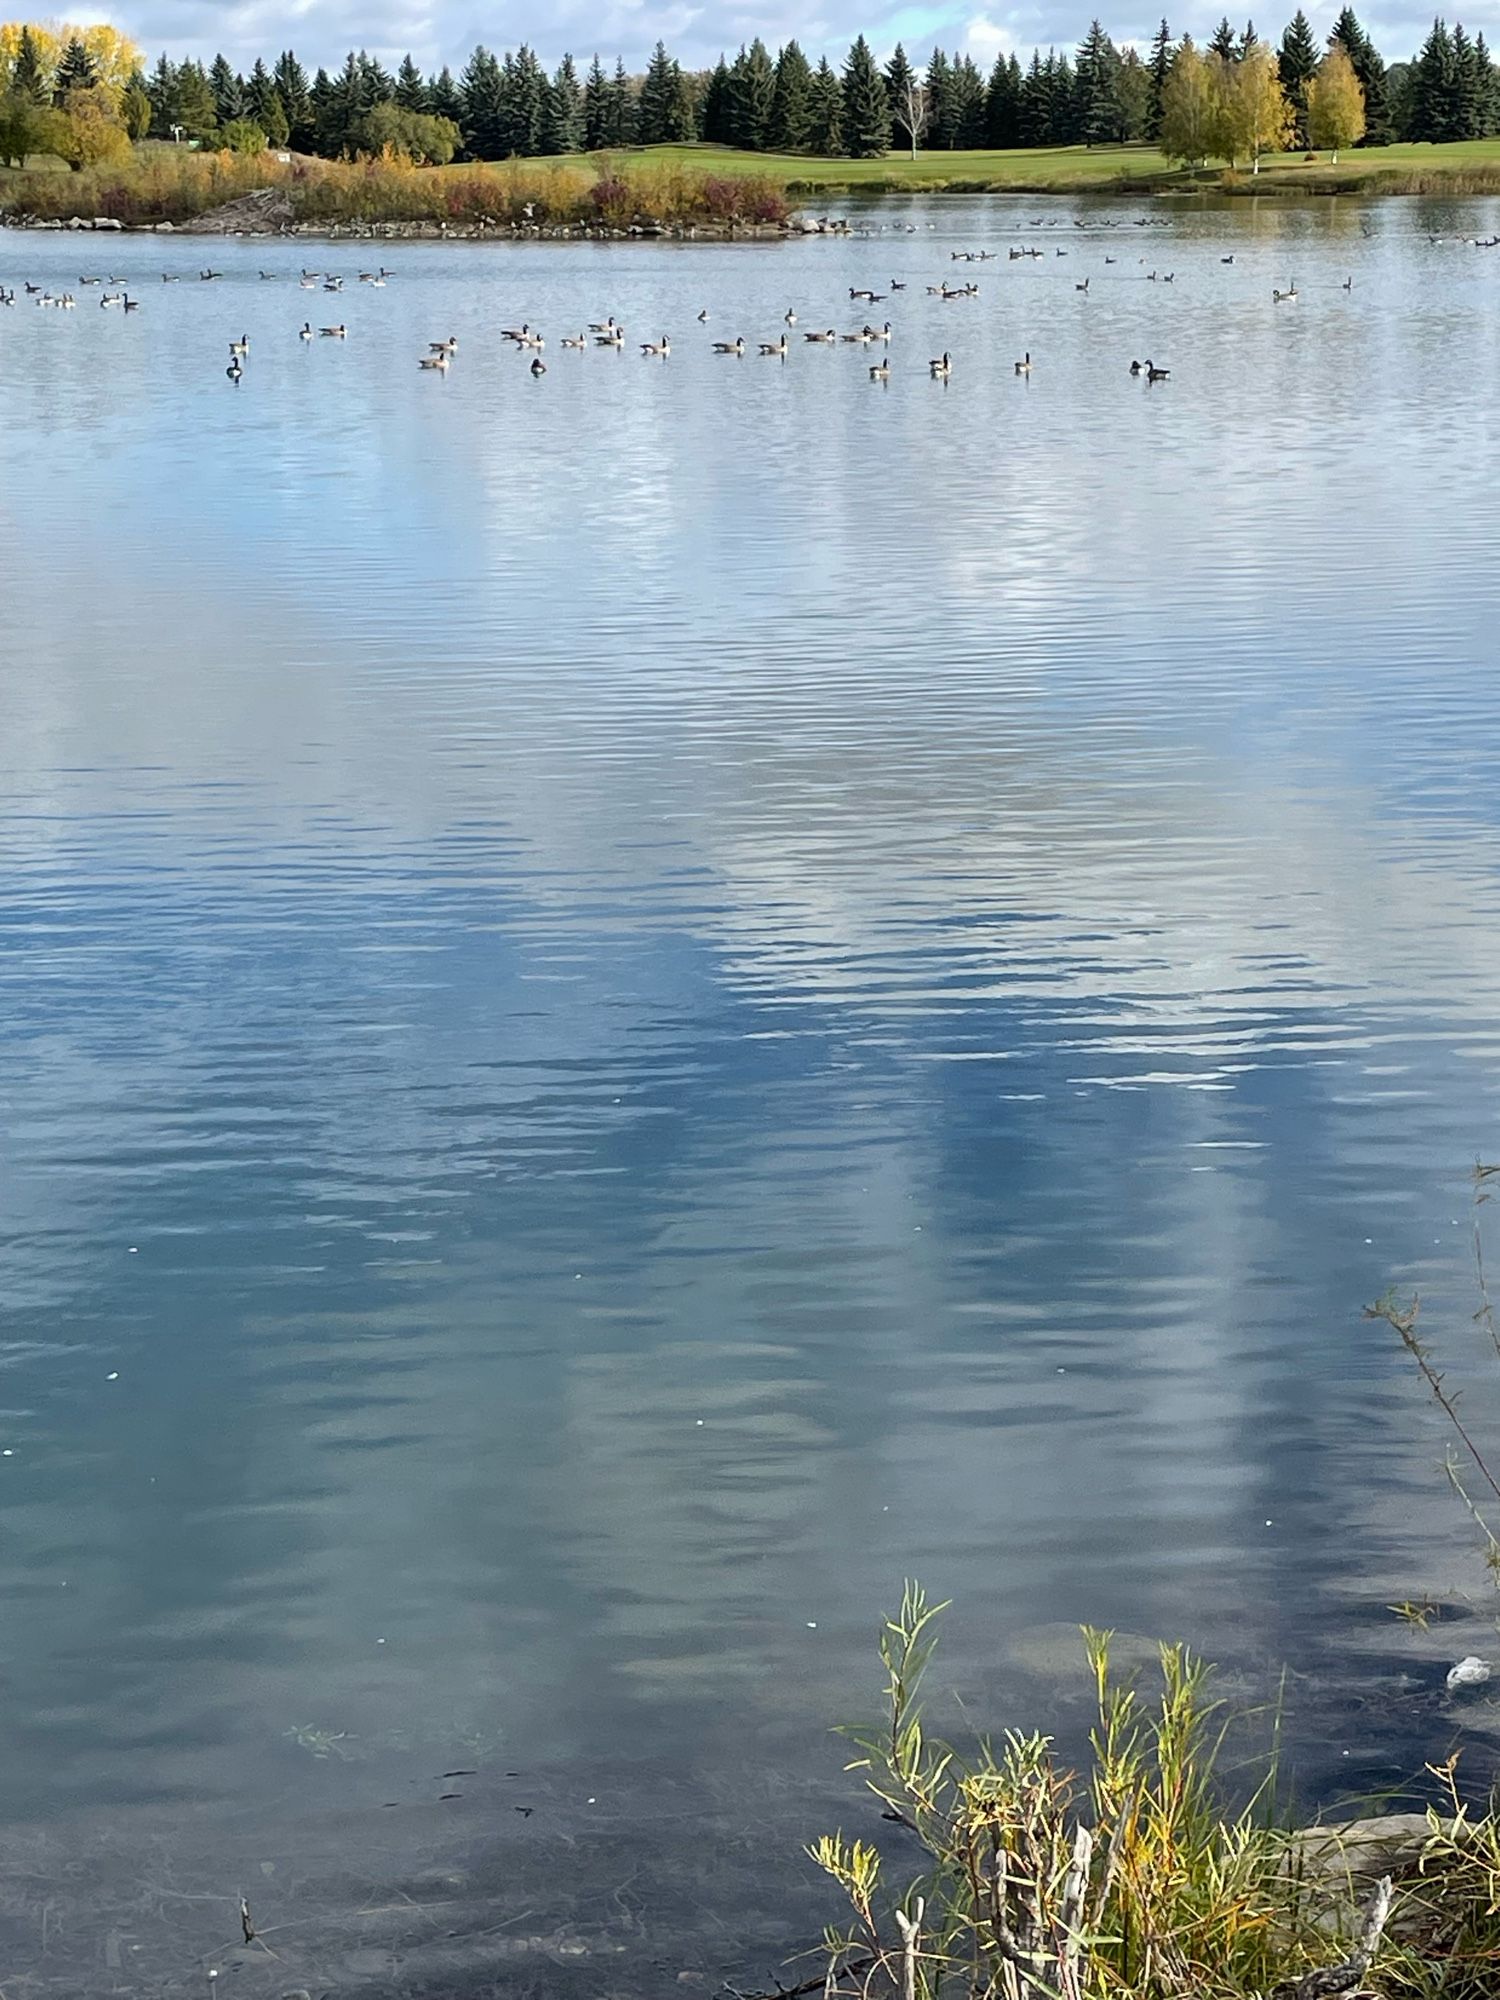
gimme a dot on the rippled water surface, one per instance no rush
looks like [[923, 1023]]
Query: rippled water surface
[[636, 1003]]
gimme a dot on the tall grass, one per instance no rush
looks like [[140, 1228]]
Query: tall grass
[[179, 186], [1138, 1878]]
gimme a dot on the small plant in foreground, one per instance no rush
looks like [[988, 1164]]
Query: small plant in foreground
[[1131, 1881]]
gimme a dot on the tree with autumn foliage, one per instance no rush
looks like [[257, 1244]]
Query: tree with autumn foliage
[[1335, 103]]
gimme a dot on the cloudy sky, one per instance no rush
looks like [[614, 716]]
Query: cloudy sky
[[321, 30]]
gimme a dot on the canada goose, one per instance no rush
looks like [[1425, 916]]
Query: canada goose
[[538, 366], [824, 339], [1288, 297], [130, 305], [1111, 260], [1226, 260], [308, 284], [860, 339], [896, 285], [581, 341], [880, 371], [616, 338], [535, 342], [240, 346], [882, 333], [775, 347], [703, 317], [1023, 366], [659, 349], [333, 332], [1083, 287], [207, 275], [1168, 276], [90, 281], [306, 332], [735, 347], [1347, 286], [519, 333], [438, 360], [942, 366], [269, 277], [170, 278], [234, 370], [1135, 368], [789, 317], [310, 274], [333, 284], [1155, 374], [31, 289], [602, 325], [448, 346]]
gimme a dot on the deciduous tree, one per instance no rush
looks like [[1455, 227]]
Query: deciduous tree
[[1335, 103]]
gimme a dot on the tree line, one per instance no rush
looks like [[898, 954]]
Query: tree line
[[1236, 98]]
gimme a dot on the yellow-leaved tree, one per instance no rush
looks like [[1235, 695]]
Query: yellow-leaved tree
[[115, 58], [1188, 127], [1254, 116], [1335, 103]]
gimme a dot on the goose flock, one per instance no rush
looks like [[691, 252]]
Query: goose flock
[[609, 333]]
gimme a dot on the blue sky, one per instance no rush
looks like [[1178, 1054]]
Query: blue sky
[[321, 30]]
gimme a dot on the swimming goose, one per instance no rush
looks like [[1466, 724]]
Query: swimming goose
[[1083, 287], [774, 347], [130, 305], [438, 360], [581, 341], [240, 346], [790, 317], [1155, 374], [942, 366], [269, 277], [735, 347], [538, 366], [448, 346], [880, 333], [306, 332], [658, 349], [333, 332], [234, 370], [615, 338], [825, 339], [880, 371], [893, 285], [703, 317], [1023, 366], [1136, 369], [206, 275], [1288, 297], [170, 278], [1347, 286], [602, 325]]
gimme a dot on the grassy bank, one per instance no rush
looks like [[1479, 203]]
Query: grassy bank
[[1164, 1869], [687, 185]]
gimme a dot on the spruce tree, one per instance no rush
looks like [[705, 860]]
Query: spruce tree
[[524, 100], [825, 124], [595, 108], [193, 100], [752, 86], [1132, 96], [867, 115], [624, 108], [1036, 104], [1096, 96], [377, 86], [1002, 105], [653, 109], [293, 90], [715, 108], [483, 90], [562, 115], [942, 121], [1297, 63], [28, 75], [76, 71], [1434, 88], [446, 98], [1222, 43], [1463, 120], [791, 99], [229, 91], [411, 88], [161, 88], [1485, 95], [1160, 64]]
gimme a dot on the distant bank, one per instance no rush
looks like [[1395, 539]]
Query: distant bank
[[688, 189]]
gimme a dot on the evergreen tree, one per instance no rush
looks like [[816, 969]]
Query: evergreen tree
[[1160, 64], [293, 90], [161, 88], [1464, 117], [595, 108], [76, 71], [482, 86], [624, 108], [715, 107], [28, 75], [1222, 44], [791, 100], [562, 119], [1064, 131], [228, 89], [193, 100], [752, 86], [968, 102], [523, 102], [135, 108], [825, 123], [375, 81], [1434, 88], [446, 98], [1370, 70], [1297, 63], [653, 110], [867, 115], [1036, 104], [1096, 95], [902, 94], [1486, 93], [1002, 107], [1248, 40], [1132, 96], [942, 120], [344, 104], [411, 88]]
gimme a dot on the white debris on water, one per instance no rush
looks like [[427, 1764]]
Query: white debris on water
[[1470, 1672]]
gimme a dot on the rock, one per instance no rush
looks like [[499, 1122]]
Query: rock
[[75, 222], [107, 222], [165, 228]]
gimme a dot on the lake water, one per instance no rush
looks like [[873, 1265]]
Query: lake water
[[637, 1003]]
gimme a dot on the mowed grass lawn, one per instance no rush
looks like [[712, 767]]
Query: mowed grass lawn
[[1056, 169]]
